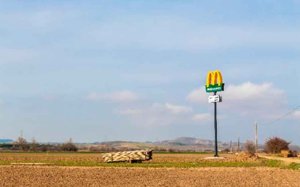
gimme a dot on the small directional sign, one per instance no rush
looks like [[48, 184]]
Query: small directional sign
[[215, 99]]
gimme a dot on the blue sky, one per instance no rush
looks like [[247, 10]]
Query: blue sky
[[135, 70]]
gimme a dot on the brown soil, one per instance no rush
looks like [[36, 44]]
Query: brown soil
[[96, 176], [97, 158]]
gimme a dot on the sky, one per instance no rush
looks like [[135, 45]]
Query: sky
[[135, 70]]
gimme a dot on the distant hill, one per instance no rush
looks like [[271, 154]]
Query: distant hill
[[6, 141], [190, 144], [187, 141], [178, 144]]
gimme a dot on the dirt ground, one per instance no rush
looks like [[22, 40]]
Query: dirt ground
[[97, 176]]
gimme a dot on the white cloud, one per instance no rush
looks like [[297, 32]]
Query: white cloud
[[259, 100], [202, 117], [198, 96], [171, 108], [158, 114], [130, 111], [122, 96], [253, 92], [296, 114]]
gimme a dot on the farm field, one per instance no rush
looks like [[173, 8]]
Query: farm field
[[159, 160], [112, 176], [95, 159], [88, 169]]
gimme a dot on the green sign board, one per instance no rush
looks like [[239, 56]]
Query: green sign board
[[215, 88]]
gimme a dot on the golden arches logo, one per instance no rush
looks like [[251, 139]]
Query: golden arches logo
[[214, 81]]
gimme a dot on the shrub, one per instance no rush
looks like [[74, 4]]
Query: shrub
[[276, 144], [250, 147], [227, 150], [69, 146]]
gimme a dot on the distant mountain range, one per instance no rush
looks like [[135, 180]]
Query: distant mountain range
[[193, 144], [178, 144], [186, 141]]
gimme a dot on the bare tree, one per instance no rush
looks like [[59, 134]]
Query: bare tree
[[33, 145], [250, 147], [21, 144]]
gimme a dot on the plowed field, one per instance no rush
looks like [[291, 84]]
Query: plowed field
[[99, 176]]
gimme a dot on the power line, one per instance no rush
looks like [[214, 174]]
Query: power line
[[283, 116]]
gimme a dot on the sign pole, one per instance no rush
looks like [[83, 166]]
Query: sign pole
[[214, 84], [216, 128]]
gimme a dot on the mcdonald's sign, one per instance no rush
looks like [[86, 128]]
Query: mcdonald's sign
[[214, 81]]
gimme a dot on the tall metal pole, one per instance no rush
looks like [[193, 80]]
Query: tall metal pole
[[256, 136], [216, 128], [238, 145]]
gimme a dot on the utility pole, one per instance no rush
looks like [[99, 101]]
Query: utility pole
[[238, 145], [256, 136], [21, 133]]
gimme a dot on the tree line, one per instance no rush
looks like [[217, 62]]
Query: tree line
[[273, 145], [21, 144]]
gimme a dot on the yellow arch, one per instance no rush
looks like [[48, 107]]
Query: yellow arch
[[214, 78]]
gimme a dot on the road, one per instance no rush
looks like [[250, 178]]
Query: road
[[287, 160]]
